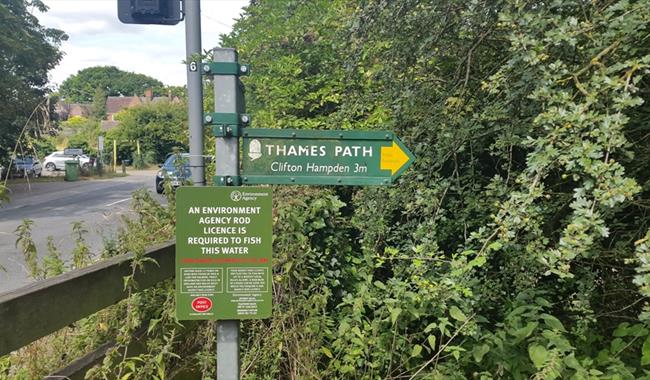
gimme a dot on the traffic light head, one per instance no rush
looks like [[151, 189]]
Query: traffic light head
[[163, 12]]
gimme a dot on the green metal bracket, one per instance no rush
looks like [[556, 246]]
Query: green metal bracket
[[226, 130], [226, 180], [216, 118], [225, 68], [226, 124]]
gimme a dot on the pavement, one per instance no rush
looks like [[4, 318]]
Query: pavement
[[53, 206]]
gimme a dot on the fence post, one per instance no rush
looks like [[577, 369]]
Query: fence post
[[114, 156]]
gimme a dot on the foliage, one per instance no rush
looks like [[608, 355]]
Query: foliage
[[29, 51], [53, 265], [502, 253], [83, 86], [160, 127], [4, 196], [77, 132], [27, 247], [98, 106], [298, 77], [81, 252]]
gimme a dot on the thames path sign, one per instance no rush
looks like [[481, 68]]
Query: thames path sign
[[223, 252], [310, 157], [224, 233]]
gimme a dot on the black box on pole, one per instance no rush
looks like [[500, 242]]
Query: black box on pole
[[161, 12]]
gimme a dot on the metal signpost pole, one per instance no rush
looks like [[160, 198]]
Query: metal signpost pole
[[100, 148], [114, 156], [192, 10], [228, 98]]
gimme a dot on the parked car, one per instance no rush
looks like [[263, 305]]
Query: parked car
[[170, 171], [56, 160], [27, 166]]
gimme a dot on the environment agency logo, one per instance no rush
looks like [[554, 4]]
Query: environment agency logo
[[254, 149], [236, 195]]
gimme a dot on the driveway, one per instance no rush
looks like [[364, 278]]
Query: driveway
[[53, 206]]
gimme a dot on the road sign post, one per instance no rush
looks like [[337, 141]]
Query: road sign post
[[310, 157], [228, 99], [192, 11]]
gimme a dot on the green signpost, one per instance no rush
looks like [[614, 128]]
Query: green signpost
[[310, 157], [223, 253], [224, 233]]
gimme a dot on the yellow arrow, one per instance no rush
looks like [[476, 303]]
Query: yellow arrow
[[392, 158]]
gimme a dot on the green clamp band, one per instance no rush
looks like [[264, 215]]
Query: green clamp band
[[226, 124], [225, 68], [227, 180], [216, 118], [226, 130]]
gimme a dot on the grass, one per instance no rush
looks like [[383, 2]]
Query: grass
[[13, 181]]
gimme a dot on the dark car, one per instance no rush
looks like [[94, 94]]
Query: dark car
[[28, 166], [176, 172]]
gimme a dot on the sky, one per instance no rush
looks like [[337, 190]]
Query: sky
[[98, 38]]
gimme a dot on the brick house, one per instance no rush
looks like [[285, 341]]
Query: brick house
[[68, 110], [115, 104]]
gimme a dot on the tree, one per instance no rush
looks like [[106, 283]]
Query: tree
[[98, 107], [79, 132], [82, 86], [28, 51], [159, 127]]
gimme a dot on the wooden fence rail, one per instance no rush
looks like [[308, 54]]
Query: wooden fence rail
[[41, 308]]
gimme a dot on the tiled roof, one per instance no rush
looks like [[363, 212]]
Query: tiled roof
[[78, 109], [66, 110], [115, 104]]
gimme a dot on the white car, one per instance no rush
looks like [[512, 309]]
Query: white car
[[56, 160]]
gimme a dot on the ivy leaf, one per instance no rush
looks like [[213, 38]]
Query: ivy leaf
[[538, 354], [478, 261], [417, 350], [327, 352], [524, 332], [432, 341], [457, 314], [572, 362], [553, 322], [479, 351], [645, 352], [621, 330], [394, 313], [495, 246]]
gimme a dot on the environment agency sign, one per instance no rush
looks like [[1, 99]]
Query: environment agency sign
[[311, 157], [223, 252]]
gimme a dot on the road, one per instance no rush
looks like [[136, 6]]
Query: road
[[53, 206]]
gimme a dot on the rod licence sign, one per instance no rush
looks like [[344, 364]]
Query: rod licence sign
[[289, 156], [223, 253]]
